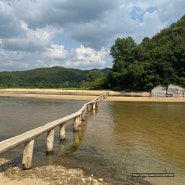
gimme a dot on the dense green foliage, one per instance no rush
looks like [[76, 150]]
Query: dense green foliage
[[55, 77], [156, 61]]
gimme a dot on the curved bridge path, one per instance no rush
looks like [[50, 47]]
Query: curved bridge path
[[28, 137]]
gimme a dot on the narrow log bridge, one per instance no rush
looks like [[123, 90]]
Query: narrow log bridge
[[28, 138]]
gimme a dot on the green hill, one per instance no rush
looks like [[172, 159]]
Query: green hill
[[55, 77], [159, 60]]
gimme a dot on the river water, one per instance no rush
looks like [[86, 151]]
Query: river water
[[119, 139]]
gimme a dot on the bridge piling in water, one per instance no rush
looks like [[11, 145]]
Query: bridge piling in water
[[77, 122], [27, 155], [83, 115], [50, 140], [62, 132], [28, 137]]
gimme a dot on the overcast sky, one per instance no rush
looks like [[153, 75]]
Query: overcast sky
[[76, 33]]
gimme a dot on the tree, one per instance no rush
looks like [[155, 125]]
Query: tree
[[124, 53], [124, 50], [94, 74], [159, 60], [99, 83], [96, 79]]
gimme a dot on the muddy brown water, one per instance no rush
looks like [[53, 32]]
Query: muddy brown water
[[119, 139]]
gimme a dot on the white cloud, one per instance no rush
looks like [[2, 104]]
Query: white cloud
[[56, 52], [9, 24], [45, 63], [86, 57], [28, 29], [31, 40], [12, 60]]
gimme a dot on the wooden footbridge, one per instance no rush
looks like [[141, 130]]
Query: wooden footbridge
[[28, 137]]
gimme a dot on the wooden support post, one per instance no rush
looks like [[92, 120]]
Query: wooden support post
[[80, 119], [95, 105], [77, 121], [97, 102], [62, 132], [75, 126], [50, 140], [27, 155], [83, 115], [86, 108], [90, 106]]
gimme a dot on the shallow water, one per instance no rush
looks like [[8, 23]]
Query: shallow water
[[120, 139]]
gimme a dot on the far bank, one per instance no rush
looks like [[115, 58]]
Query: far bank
[[86, 95]]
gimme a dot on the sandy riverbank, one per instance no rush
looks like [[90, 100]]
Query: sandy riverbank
[[86, 95], [12, 174]]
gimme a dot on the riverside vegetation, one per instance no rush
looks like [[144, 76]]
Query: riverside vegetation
[[159, 60]]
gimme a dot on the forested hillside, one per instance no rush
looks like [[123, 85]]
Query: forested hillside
[[159, 60], [55, 77]]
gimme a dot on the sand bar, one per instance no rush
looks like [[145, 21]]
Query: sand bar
[[86, 95]]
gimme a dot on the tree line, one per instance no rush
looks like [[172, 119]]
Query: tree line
[[159, 60], [54, 77]]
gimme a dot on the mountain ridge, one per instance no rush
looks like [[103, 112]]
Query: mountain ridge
[[53, 77]]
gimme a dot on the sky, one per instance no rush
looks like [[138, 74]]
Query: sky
[[76, 33]]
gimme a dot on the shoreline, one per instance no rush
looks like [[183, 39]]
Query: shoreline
[[12, 174], [85, 95]]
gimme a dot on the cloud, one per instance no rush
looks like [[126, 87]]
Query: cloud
[[61, 12], [31, 41], [81, 20], [13, 61], [170, 11], [9, 24], [87, 57], [56, 52], [93, 34], [37, 33]]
